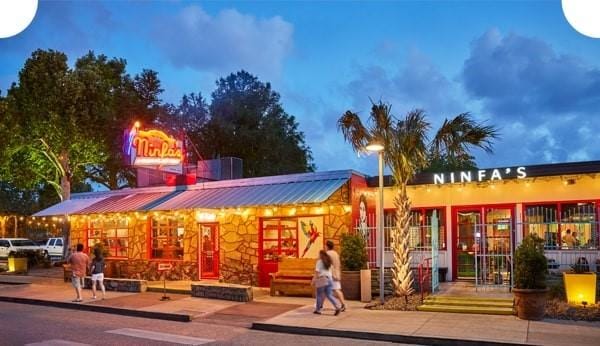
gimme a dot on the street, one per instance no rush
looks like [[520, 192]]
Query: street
[[36, 325]]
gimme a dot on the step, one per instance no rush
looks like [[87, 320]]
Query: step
[[466, 309], [468, 298], [469, 303]]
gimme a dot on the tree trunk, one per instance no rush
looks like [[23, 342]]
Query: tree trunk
[[3, 226], [65, 184], [402, 275]]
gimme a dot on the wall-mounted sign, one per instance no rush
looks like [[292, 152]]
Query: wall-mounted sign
[[153, 148], [480, 175]]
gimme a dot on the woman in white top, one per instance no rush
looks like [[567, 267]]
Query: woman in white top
[[324, 283]]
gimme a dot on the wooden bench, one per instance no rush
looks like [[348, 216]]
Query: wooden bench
[[294, 277]]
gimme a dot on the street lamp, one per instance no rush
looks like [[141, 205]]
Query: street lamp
[[378, 148]]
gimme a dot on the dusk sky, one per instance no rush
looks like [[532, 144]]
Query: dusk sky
[[515, 64]]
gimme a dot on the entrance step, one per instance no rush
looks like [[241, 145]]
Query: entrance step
[[468, 305]]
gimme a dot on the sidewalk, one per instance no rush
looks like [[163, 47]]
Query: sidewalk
[[180, 307], [433, 328]]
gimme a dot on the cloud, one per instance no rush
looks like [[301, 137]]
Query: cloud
[[517, 76], [226, 42], [416, 84]]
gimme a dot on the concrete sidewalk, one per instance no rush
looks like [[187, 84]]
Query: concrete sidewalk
[[433, 328], [180, 307]]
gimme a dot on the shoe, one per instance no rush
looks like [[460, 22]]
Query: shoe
[[94, 297], [317, 312], [77, 300], [337, 312], [343, 308]]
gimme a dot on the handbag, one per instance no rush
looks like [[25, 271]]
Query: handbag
[[320, 281]]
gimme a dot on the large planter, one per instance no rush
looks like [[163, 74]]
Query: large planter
[[530, 303], [351, 284], [18, 264], [581, 288]]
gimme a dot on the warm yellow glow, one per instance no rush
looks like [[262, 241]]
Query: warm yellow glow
[[303, 209], [580, 288], [292, 211], [275, 209], [205, 217], [268, 212], [137, 124], [318, 210], [347, 208], [21, 218], [374, 147]]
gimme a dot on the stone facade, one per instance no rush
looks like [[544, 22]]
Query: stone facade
[[238, 240], [119, 285], [237, 293]]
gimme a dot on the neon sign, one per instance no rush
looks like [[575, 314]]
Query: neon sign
[[480, 175], [152, 148]]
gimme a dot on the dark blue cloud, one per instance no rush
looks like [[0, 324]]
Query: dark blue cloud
[[517, 76]]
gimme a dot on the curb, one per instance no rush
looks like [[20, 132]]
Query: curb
[[98, 308], [395, 338]]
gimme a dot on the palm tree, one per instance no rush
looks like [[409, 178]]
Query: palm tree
[[407, 151]]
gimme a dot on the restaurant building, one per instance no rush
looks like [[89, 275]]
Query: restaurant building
[[237, 230]]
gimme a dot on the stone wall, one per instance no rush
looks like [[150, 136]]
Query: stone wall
[[238, 247], [148, 270], [237, 293]]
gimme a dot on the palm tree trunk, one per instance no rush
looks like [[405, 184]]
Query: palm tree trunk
[[402, 275]]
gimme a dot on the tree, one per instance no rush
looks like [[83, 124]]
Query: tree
[[54, 132], [407, 151], [186, 119], [248, 121]]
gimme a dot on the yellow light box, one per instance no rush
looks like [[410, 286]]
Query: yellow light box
[[580, 288]]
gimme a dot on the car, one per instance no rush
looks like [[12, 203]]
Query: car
[[53, 247], [10, 246]]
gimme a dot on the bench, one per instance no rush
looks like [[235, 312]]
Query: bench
[[294, 277]]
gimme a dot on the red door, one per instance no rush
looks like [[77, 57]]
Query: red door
[[278, 238], [209, 251]]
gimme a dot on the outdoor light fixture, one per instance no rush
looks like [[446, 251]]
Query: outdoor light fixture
[[378, 148], [374, 147], [580, 288]]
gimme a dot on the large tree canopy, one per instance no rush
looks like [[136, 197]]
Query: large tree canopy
[[248, 121]]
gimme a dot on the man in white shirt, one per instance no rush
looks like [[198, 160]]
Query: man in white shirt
[[337, 273]]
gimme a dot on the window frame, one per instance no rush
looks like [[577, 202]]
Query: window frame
[[108, 239], [180, 223], [422, 211]]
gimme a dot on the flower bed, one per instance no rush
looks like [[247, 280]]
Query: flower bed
[[397, 303], [559, 309]]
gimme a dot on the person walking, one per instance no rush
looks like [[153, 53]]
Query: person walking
[[97, 271], [323, 281], [79, 263], [336, 274]]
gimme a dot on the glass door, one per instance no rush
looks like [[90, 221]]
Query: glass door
[[209, 251], [468, 228]]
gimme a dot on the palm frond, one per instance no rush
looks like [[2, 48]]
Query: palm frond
[[456, 137], [381, 120], [354, 131], [408, 147]]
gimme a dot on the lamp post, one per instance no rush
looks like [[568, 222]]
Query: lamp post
[[378, 148]]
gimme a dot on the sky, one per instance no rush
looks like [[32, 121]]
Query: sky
[[517, 65]]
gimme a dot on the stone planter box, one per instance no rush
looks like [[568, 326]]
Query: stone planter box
[[120, 285], [217, 290]]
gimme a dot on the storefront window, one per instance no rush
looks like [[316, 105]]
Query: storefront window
[[167, 238], [564, 225], [578, 226], [420, 228], [112, 235], [543, 221], [279, 238]]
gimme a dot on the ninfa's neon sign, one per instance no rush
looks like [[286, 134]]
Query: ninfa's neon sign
[[480, 175], [152, 148]]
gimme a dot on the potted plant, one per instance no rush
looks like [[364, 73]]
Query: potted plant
[[353, 256], [580, 284], [531, 267], [18, 262]]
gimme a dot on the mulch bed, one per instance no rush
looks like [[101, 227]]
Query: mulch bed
[[559, 309], [397, 303]]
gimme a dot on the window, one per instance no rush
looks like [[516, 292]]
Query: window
[[564, 225], [113, 235], [543, 221], [51, 243], [420, 228], [59, 242], [4, 243], [279, 238], [167, 238]]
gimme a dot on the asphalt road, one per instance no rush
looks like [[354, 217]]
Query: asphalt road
[[36, 325]]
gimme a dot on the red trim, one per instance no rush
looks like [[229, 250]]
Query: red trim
[[482, 209], [216, 251]]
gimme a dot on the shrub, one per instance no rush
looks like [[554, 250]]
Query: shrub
[[531, 266], [353, 253]]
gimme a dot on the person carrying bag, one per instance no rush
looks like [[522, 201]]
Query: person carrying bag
[[323, 281]]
